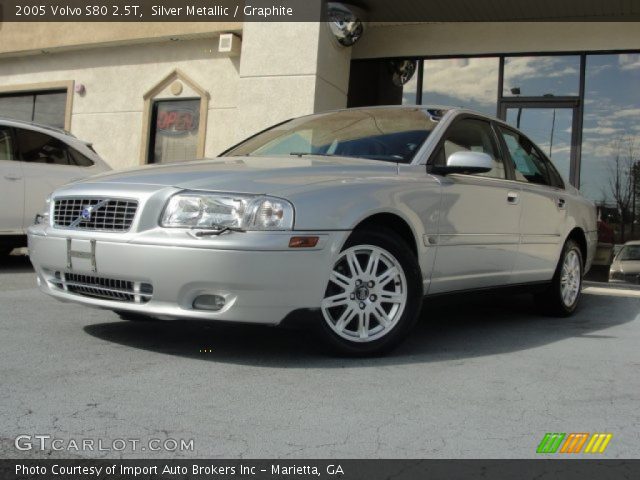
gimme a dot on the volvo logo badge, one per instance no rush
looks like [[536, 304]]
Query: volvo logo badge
[[362, 293], [86, 213]]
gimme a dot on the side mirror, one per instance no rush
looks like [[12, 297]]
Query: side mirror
[[465, 162]]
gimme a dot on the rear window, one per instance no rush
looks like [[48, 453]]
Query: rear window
[[630, 252], [36, 147]]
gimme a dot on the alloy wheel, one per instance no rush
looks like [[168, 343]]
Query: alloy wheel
[[570, 278], [366, 294]]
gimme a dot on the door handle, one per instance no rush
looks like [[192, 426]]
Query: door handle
[[562, 203], [513, 198], [12, 178]]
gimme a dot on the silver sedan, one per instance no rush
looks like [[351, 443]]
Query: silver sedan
[[351, 217]]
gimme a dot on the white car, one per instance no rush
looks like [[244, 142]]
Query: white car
[[34, 161], [626, 264]]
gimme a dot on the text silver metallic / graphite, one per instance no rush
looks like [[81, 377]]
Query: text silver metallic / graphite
[[222, 11]]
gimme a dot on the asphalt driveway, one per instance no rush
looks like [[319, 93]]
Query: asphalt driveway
[[482, 376]]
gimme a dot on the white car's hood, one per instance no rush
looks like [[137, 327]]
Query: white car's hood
[[250, 174], [627, 266]]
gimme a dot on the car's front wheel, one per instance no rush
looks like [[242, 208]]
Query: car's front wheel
[[373, 294], [563, 294]]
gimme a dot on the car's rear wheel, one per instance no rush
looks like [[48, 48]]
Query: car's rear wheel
[[562, 296], [373, 295]]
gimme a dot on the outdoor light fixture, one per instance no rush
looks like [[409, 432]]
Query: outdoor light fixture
[[346, 22], [403, 71]]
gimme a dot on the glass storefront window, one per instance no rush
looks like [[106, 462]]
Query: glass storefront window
[[174, 136], [462, 82], [550, 129], [42, 107], [410, 90], [611, 128], [541, 76]]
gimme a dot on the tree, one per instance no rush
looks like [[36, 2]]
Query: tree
[[623, 181], [635, 178]]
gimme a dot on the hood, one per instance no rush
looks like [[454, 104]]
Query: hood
[[250, 174], [627, 266]]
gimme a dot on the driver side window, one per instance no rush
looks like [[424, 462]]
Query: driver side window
[[471, 135]]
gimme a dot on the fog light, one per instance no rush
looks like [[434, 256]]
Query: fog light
[[208, 302]]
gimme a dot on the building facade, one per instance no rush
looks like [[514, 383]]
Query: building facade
[[159, 92]]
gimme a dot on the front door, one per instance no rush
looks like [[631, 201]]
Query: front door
[[11, 186], [478, 227], [552, 125]]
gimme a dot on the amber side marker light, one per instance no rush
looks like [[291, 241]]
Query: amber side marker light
[[303, 242]]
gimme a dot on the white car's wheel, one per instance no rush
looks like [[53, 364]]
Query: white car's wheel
[[563, 294], [373, 294]]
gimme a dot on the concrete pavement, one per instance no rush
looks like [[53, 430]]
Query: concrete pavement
[[482, 376]]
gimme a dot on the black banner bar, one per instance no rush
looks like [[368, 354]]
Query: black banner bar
[[313, 10], [578, 469]]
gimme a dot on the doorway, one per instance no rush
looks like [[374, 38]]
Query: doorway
[[553, 126]]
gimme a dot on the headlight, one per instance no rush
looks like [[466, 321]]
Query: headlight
[[44, 217], [215, 211]]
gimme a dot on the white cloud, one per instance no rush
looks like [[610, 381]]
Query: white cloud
[[518, 69], [601, 130], [475, 79], [629, 61], [626, 113]]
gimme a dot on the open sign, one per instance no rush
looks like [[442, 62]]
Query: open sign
[[176, 120]]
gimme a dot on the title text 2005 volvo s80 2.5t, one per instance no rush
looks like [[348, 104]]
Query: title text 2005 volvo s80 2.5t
[[353, 216]]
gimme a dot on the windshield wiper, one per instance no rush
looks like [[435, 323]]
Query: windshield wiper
[[219, 230], [300, 154]]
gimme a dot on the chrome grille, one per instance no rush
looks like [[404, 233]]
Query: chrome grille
[[115, 215], [106, 288]]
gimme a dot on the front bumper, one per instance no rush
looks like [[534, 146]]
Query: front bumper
[[260, 277]]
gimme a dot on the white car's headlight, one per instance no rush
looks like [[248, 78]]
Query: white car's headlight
[[44, 217], [220, 210]]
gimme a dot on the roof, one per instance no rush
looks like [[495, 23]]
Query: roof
[[54, 131], [25, 123]]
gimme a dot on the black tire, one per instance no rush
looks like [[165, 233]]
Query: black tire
[[398, 248], [134, 317], [550, 301]]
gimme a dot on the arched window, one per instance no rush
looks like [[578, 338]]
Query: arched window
[[175, 118]]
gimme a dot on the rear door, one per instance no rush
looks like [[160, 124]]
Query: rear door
[[11, 185], [543, 208], [479, 214], [47, 163]]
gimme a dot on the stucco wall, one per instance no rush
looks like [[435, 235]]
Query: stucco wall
[[23, 38], [110, 113], [289, 69]]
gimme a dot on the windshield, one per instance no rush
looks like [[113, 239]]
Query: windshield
[[390, 134], [630, 252]]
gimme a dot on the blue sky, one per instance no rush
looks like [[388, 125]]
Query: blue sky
[[612, 103]]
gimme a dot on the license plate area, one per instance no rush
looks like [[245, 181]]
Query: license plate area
[[81, 255]]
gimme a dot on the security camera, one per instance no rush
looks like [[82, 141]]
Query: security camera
[[402, 71], [346, 22]]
